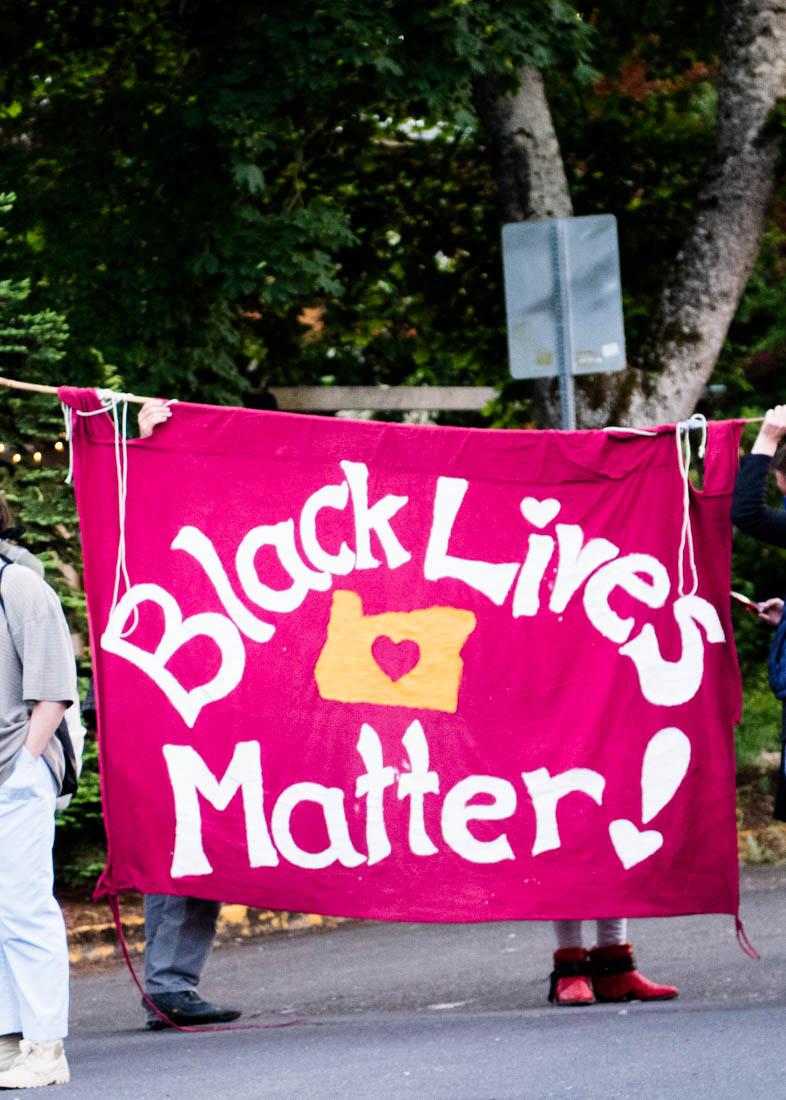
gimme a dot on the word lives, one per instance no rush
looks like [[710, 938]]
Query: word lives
[[559, 564]]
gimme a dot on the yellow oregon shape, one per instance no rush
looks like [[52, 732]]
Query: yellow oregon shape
[[347, 672]]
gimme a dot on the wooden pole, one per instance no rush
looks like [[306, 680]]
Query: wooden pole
[[331, 398], [37, 387]]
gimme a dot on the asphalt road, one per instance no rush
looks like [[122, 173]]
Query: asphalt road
[[455, 1011]]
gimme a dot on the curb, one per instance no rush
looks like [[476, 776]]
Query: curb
[[97, 942]]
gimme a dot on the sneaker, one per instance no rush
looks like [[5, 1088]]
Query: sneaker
[[187, 1009], [38, 1062], [9, 1049]]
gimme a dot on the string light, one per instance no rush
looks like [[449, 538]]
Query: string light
[[35, 457]]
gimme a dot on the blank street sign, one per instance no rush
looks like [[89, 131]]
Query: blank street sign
[[563, 296]]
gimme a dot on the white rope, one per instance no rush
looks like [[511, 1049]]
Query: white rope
[[682, 435], [631, 431], [121, 468], [108, 399], [68, 417], [109, 404]]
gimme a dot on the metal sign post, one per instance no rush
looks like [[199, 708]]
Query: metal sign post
[[564, 324], [563, 298]]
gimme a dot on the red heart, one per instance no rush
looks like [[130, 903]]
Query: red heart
[[395, 659]]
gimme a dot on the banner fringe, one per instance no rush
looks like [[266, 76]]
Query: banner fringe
[[742, 939]]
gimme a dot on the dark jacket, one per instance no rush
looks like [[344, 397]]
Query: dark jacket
[[749, 509]]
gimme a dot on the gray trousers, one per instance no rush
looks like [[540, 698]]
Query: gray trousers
[[179, 934]]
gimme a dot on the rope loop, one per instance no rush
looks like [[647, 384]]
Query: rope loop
[[682, 430], [110, 401], [684, 453]]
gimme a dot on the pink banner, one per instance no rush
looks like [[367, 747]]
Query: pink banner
[[411, 673]]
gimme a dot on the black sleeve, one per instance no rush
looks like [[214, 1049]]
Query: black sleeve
[[749, 509]]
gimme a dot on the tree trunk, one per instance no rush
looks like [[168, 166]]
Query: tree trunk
[[709, 274], [531, 180]]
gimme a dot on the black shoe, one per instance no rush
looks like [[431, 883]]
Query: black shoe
[[187, 1009]]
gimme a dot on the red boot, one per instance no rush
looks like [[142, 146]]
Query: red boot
[[615, 977], [570, 977]]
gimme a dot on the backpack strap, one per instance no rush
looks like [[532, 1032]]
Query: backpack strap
[[3, 567], [71, 777]]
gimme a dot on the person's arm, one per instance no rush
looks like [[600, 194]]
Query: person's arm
[[749, 509], [45, 717], [771, 432], [43, 644]]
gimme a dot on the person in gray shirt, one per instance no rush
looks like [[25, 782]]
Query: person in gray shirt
[[37, 684]]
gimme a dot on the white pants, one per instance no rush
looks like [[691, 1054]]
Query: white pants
[[33, 946]]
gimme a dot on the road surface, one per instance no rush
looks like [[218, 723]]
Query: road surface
[[376, 1011]]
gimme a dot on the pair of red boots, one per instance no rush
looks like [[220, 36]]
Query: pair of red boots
[[582, 977]]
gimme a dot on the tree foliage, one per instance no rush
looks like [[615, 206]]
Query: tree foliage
[[221, 197], [195, 174], [32, 345]]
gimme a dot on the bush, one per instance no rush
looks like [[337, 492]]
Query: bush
[[760, 727]]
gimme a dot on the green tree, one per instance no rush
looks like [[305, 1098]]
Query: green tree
[[32, 346], [197, 174], [743, 70], [220, 197]]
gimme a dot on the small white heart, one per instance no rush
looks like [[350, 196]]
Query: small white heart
[[631, 845], [539, 513]]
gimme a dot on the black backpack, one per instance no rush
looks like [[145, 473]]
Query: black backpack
[[70, 778], [777, 660]]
